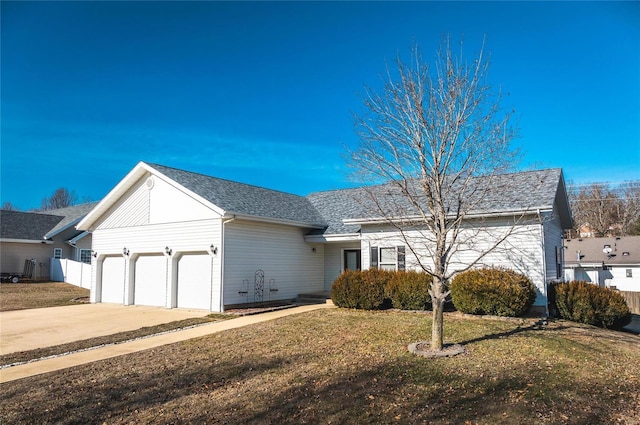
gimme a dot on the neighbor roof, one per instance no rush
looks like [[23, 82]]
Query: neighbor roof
[[522, 191], [27, 226], [70, 217], [592, 251]]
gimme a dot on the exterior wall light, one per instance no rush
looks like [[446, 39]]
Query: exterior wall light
[[125, 251], [167, 250], [214, 249]]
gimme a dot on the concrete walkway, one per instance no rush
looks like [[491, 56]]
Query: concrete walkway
[[83, 357]]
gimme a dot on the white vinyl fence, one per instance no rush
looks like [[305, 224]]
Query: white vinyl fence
[[73, 272]]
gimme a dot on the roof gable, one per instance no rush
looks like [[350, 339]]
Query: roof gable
[[225, 197], [246, 200]]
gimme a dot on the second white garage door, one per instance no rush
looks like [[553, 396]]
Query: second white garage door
[[194, 281], [150, 284]]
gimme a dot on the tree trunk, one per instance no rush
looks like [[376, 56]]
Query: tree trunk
[[437, 325]]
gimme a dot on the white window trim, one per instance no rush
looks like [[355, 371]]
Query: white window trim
[[394, 263]]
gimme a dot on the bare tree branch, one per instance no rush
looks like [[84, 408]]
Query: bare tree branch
[[428, 136]]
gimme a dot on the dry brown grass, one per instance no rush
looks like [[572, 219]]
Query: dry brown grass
[[21, 296], [340, 366]]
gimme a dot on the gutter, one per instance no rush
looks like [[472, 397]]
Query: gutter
[[504, 213]]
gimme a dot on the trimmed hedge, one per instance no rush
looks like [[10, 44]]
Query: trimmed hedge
[[409, 290], [360, 289], [584, 302], [495, 291]]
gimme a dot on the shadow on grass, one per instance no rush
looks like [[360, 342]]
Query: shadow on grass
[[297, 388], [518, 330]]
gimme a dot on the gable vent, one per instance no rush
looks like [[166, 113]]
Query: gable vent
[[149, 183]]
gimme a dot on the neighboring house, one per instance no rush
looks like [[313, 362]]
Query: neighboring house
[[42, 236], [610, 262], [173, 238]]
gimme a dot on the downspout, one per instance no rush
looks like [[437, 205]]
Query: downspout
[[222, 255], [544, 264]]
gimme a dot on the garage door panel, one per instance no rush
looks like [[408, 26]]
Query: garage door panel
[[150, 280], [194, 281], [113, 280]]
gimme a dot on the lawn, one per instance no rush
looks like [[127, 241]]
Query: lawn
[[21, 296], [342, 366]]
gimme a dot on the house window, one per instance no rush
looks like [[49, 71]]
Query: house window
[[629, 273], [85, 256], [351, 259], [387, 258], [57, 253]]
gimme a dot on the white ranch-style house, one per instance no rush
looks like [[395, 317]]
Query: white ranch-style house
[[173, 238]]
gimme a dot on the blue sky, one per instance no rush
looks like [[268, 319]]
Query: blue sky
[[264, 93]]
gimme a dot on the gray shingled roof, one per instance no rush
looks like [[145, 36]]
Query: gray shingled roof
[[509, 192], [26, 225], [244, 199], [71, 216], [591, 250]]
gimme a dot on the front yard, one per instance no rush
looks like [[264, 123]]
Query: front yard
[[342, 366], [20, 296]]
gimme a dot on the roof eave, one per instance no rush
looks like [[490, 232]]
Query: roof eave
[[336, 237], [270, 220], [414, 218], [31, 241]]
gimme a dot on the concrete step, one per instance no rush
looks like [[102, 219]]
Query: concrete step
[[313, 298]]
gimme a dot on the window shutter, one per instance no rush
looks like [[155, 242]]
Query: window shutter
[[374, 258], [400, 250]]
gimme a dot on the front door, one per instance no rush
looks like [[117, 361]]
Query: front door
[[351, 259]]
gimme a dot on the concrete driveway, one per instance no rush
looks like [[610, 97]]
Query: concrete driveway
[[23, 330]]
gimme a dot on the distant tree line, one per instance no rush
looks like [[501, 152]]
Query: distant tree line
[[60, 198], [605, 209]]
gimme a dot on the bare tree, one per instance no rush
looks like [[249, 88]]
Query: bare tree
[[427, 134], [8, 206], [59, 199], [629, 214], [605, 209]]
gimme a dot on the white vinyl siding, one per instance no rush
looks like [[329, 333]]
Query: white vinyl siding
[[278, 250], [162, 203], [521, 251], [150, 280]]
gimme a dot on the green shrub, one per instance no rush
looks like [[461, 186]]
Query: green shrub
[[409, 290], [360, 289], [496, 291], [584, 302]]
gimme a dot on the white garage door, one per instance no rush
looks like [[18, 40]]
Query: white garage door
[[194, 281], [150, 284], [113, 280]]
